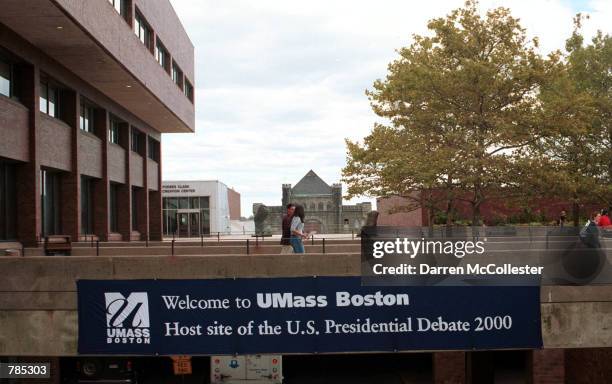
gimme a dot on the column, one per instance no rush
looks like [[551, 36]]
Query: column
[[548, 366], [449, 367], [28, 175]]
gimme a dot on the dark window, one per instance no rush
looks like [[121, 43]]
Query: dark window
[[135, 140], [183, 203], [204, 202], [6, 77], [50, 200], [142, 30], [49, 99], [120, 6], [113, 214], [113, 131], [161, 54], [8, 202], [86, 205], [86, 120], [188, 90], [177, 75], [153, 149]]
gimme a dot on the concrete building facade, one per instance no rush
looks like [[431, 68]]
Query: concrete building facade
[[194, 208], [86, 90], [323, 206]]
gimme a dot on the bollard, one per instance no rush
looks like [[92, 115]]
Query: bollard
[[248, 248], [91, 238], [147, 241], [312, 240], [97, 247], [256, 241], [202, 240], [352, 234], [218, 237], [323, 245], [173, 247], [22, 250]]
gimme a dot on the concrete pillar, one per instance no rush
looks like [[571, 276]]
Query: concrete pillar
[[71, 181], [548, 366], [449, 367], [101, 187], [124, 191], [28, 175], [155, 203]]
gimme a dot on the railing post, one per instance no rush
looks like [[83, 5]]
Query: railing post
[[97, 247], [202, 240], [248, 248], [323, 245], [147, 241], [173, 247], [91, 242]]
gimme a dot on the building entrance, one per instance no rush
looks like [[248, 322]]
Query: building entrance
[[188, 222]]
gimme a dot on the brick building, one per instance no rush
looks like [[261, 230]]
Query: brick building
[[86, 90]]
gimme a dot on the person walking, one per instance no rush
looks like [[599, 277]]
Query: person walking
[[286, 230], [562, 218], [297, 230], [589, 234]]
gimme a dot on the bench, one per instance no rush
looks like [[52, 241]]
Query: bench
[[58, 244]]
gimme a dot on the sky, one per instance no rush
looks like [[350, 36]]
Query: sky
[[281, 84]]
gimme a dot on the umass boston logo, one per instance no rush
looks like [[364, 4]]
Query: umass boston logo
[[127, 319]]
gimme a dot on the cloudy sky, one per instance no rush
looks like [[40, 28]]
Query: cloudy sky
[[280, 84]]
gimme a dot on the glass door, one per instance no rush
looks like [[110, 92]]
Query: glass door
[[194, 224]]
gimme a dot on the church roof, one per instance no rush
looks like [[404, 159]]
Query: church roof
[[311, 184]]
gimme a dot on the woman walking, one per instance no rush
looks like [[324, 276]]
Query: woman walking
[[297, 230]]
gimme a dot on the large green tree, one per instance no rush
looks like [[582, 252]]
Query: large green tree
[[460, 107], [579, 157]]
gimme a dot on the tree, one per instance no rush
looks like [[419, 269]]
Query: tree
[[461, 106], [579, 157]]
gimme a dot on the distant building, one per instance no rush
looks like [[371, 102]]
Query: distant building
[[325, 212], [234, 204], [193, 208]]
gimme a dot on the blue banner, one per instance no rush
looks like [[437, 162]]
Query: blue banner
[[299, 315]]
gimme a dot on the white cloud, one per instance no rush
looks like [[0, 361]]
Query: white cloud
[[280, 84]]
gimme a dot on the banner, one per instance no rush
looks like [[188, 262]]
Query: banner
[[299, 315]]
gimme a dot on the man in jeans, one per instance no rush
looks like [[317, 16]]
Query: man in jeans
[[286, 234]]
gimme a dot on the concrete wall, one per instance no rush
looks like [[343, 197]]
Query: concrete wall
[[38, 294]]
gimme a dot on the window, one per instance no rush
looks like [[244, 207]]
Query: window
[[135, 140], [120, 6], [5, 78], [49, 96], [177, 75], [113, 131], [142, 30], [86, 205], [86, 120], [153, 149], [188, 90], [8, 202], [50, 202], [161, 54], [113, 214]]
